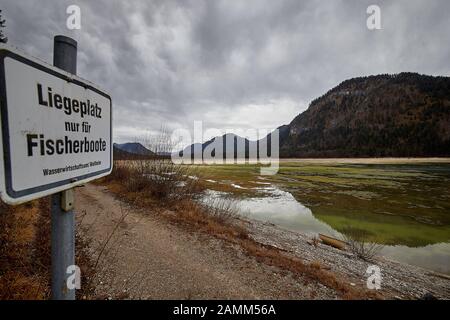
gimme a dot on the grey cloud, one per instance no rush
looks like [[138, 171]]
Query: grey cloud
[[254, 63]]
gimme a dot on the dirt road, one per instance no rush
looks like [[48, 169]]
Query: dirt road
[[147, 257]]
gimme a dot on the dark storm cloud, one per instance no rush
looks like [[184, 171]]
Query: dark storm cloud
[[231, 63]]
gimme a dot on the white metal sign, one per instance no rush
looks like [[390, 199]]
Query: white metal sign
[[56, 129]]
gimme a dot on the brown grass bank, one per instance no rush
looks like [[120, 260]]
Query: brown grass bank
[[25, 252]]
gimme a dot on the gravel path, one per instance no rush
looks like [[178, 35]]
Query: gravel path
[[148, 257]]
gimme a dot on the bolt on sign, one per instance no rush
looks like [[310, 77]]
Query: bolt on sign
[[56, 129]]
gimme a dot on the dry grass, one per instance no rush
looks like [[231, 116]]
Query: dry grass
[[197, 215], [23, 276], [25, 252]]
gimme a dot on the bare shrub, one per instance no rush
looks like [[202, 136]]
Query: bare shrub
[[164, 180], [158, 176], [135, 180], [161, 179], [222, 209], [161, 143], [119, 172], [357, 242]]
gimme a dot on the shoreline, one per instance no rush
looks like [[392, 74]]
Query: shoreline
[[371, 160], [399, 280]]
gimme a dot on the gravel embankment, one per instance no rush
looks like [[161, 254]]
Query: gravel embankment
[[398, 280]]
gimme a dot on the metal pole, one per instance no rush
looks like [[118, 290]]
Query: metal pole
[[63, 220], [65, 54]]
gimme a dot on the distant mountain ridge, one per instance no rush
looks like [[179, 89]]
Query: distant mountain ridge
[[402, 115], [242, 148], [211, 148], [134, 148]]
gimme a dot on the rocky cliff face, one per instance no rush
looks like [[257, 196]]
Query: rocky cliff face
[[386, 115]]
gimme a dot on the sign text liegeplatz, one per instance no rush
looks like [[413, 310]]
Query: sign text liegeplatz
[[56, 129]]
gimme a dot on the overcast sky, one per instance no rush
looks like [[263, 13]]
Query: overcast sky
[[230, 63]]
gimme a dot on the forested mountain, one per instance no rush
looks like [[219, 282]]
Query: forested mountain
[[403, 115], [377, 116]]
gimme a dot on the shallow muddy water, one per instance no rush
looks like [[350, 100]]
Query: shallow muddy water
[[404, 207]]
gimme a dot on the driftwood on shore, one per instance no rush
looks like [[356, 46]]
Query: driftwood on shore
[[336, 243]]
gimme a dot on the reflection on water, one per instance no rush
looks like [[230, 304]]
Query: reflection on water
[[434, 256], [281, 208]]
